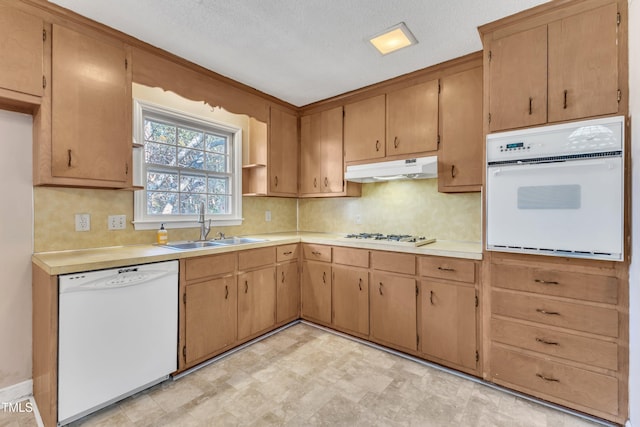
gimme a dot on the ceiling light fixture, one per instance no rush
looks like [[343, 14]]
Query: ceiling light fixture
[[397, 37]]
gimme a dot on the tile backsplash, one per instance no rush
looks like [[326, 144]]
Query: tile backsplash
[[405, 207], [55, 209]]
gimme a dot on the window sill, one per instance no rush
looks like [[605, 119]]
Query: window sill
[[175, 224]]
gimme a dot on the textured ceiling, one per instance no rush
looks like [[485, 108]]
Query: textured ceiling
[[301, 51]]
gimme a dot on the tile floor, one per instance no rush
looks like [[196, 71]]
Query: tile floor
[[305, 376]]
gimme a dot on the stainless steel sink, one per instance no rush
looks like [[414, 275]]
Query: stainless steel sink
[[193, 245], [238, 241]]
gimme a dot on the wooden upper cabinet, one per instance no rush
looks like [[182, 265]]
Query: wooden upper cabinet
[[460, 158], [283, 153], [583, 65], [322, 166], [364, 129], [566, 69], [22, 52], [412, 119], [91, 109], [518, 80]]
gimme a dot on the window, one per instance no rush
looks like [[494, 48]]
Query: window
[[184, 161]]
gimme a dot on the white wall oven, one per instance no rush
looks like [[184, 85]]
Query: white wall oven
[[558, 190]]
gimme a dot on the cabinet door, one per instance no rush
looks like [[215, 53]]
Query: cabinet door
[[256, 301], [91, 108], [283, 153], [518, 80], [350, 295], [393, 309], [460, 159], [583, 65], [21, 50], [316, 291], [331, 151], [448, 322], [210, 317], [412, 119], [288, 292], [364, 129], [310, 154]]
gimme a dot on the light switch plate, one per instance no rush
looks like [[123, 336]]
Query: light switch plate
[[117, 222], [83, 222]]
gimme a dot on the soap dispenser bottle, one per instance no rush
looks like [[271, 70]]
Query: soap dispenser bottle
[[162, 236]]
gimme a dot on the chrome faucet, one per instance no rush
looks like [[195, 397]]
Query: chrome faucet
[[204, 229]]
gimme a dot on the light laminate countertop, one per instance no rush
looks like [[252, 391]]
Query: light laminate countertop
[[74, 261]]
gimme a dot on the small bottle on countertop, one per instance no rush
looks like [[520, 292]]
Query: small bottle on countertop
[[162, 235]]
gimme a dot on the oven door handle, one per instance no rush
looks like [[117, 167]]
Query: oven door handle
[[527, 168]]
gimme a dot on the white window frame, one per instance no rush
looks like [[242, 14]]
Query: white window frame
[[142, 221]]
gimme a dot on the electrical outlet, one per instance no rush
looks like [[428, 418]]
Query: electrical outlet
[[267, 216], [117, 222], [83, 222]]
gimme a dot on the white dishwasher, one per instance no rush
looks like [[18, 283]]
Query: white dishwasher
[[118, 334]]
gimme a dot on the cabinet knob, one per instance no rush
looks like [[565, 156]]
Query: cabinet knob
[[545, 282], [446, 269], [276, 180], [380, 288], [226, 292], [246, 286], [68, 158], [564, 105], [396, 142], [431, 297], [360, 283], [315, 182], [548, 313], [282, 277], [324, 277], [453, 171], [543, 341], [377, 145], [530, 105], [326, 181]]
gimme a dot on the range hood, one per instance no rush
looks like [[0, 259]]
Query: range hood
[[418, 168]]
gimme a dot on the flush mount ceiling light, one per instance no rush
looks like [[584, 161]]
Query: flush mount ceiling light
[[392, 39]]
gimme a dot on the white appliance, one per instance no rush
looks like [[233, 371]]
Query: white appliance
[[118, 334], [557, 190], [418, 168]]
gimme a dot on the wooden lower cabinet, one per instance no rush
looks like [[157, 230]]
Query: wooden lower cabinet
[[256, 302], [210, 317], [392, 310], [448, 323], [558, 331], [316, 291], [350, 299], [287, 292]]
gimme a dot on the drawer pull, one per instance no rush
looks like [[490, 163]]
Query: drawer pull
[[431, 297], [324, 277], [246, 286], [226, 292], [548, 313], [446, 269], [545, 282], [360, 283], [553, 380], [287, 253], [543, 341], [380, 288], [283, 277], [316, 253]]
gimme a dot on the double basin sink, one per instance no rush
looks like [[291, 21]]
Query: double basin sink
[[201, 244]]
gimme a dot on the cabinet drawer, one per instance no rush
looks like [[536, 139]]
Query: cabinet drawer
[[256, 257], [596, 320], [286, 252], [447, 268], [212, 265], [349, 256], [587, 287], [572, 384], [395, 262], [590, 351], [317, 252]]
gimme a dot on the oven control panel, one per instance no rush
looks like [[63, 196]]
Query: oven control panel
[[567, 139]]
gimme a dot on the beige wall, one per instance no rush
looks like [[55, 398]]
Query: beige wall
[[404, 207], [15, 248]]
